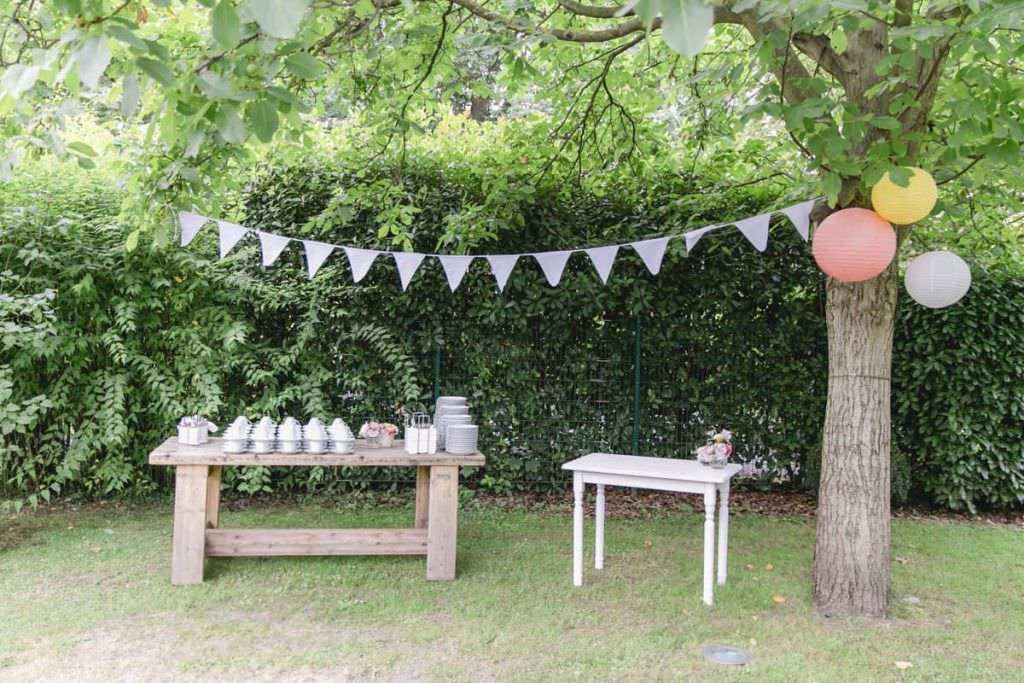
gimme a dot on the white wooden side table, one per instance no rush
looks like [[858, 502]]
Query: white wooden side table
[[660, 474]]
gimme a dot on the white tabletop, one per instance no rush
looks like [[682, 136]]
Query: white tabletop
[[658, 468]]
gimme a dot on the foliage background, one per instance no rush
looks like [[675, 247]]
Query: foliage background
[[102, 349]]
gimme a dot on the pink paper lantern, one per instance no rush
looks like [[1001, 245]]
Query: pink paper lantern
[[853, 245]]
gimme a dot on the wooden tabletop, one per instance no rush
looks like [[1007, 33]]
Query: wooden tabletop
[[170, 452], [657, 468]]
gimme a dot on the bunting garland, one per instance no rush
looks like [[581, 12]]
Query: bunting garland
[[230, 234], [501, 266], [455, 268], [407, 263], [190, 224], [552, 263], [271, 246], [360, 260], [651, 252], [316, 254], [603, 259]]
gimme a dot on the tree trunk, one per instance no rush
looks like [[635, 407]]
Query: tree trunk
[[851, 554]]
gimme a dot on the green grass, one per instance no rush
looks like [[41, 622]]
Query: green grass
[[87, 596]]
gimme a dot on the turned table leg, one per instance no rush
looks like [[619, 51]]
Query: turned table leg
[[723, 532], [442, 522], [422, 496], [599, 529], [709, 542], [577, 529], [189, 544]]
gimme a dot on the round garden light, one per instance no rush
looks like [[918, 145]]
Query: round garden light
[[905, 205], [937, 279], [853, 245]]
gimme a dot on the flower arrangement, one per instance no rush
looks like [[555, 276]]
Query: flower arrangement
[[378, 433], [717, 450]]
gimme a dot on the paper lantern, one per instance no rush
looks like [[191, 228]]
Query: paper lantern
[[937, 279], [905, 205], [853, 245]]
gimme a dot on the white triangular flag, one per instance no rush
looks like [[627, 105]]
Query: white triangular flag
[[800, 215], [360, 260], [455, 268], [190, 224], [501, 266], [604, 259], [271, 245], [694, 236], [652, 252], [316, 254], [230, 233], [552, 263], [407, 263], [755, 229]]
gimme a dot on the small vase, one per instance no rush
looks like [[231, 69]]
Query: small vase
[[385, 440]]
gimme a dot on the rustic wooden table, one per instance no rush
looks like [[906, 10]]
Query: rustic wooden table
[[197, 499]]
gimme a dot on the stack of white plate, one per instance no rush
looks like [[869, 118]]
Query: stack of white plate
[[448, 406], [462, 439]]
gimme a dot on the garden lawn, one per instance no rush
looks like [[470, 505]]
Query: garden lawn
[[86, 595]]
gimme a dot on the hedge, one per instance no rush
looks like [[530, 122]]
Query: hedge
[[103, 350]]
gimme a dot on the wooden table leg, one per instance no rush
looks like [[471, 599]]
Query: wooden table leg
[[442, 522], [577, 529], [723, 532], [189, 544], [422, 496], [709, 542], [213, 497], [599, 529]]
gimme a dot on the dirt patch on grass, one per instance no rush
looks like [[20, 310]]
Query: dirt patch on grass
[[233, 645], [18, 531]]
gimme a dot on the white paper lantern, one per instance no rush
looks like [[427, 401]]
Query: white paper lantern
[[937, 279]]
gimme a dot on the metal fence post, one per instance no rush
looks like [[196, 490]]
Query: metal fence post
[[636, 385], [437, 370]]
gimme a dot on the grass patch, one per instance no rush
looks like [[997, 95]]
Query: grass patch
[[88, 596]]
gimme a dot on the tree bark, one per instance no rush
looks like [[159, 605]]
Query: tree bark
[[851, 553]]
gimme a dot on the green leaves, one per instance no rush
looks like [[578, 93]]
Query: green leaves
[[231, 127], [303, 65], [92, 58], [130, 95], [838, 40], [278, 18], [262, 118], [225, 24], [158, 71], [685, 25]]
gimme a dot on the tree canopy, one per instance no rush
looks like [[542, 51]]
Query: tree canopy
[[192, 92]]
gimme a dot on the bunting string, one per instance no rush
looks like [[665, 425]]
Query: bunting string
[[552, 263]]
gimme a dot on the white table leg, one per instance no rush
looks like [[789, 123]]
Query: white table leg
[[709, 542], [599, 529], [723, 532], [577, 529]]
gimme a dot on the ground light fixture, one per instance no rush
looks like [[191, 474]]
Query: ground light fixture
[[726, 654]]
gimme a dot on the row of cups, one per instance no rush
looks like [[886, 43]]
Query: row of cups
[[289, 437], [456, 432]]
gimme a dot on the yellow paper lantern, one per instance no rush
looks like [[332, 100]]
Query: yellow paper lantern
[[905, 205]]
